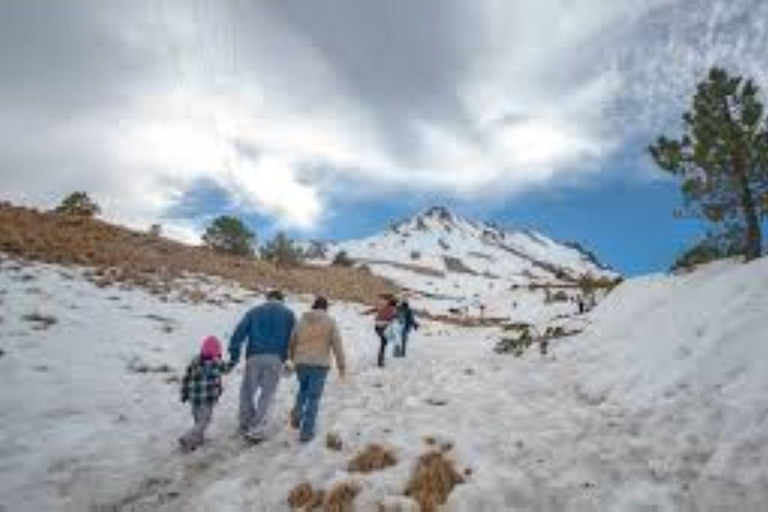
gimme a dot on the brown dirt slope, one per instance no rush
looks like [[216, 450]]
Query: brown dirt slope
[[141, 259]]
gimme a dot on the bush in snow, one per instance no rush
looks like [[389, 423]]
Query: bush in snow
[[78, 204], [514, 345], [518, 339]]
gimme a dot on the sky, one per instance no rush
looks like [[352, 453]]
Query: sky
[[331, 119]]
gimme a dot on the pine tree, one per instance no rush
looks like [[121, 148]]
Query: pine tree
[[282, 251], [722, 158], [316, 250], [229, 234], [78, 204], [342, 259]]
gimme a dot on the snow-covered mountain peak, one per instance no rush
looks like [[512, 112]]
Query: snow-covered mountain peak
[[442, 255], [435, 219]]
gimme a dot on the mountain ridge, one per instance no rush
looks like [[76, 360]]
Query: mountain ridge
[[449, 262], [445, 222]]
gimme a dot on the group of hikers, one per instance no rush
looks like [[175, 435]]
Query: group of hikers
[[276, 345]]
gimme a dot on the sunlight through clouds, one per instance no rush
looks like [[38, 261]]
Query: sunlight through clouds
[[283, 103]]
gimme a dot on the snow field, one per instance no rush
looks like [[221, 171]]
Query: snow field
[[661, 404]]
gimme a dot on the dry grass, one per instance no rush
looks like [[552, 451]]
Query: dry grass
[[341, 497], [373, 458], [433, 480], [304, 497], [123, 256]]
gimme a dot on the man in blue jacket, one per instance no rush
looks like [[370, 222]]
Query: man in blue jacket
[[268, 330]]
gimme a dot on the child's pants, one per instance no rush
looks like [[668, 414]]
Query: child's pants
[[202, 414]]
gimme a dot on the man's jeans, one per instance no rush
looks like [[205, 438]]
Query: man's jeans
[[311, 384]]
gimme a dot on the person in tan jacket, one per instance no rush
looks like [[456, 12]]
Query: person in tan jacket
[[313, 339]]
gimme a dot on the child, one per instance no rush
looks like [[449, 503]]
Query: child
[[202, 388]]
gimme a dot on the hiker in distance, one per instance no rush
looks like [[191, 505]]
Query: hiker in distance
[[408, 323], [267, 329], [386, 314], [314, 338]]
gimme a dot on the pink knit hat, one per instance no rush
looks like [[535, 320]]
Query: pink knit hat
[[211, 348]]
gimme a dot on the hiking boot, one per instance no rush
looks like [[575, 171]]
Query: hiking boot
[[186, 445], [254, 436]]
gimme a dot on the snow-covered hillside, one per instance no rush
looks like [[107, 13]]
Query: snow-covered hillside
[[448, 262], [661, 404]]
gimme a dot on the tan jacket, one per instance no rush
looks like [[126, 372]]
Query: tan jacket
[[313, 339]]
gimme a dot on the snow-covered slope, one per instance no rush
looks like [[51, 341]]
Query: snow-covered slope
[[448, 262], [661, 404], [685, 360], [444, 242]]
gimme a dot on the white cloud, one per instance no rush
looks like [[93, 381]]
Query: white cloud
[[281, 104], [271, 185]]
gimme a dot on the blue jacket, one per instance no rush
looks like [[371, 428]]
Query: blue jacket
[[268, 329]]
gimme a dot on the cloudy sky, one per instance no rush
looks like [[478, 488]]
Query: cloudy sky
[[330, 117]]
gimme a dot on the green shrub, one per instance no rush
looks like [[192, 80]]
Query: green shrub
[[282, 251], [78, 204], [229, 234], [342, 259]]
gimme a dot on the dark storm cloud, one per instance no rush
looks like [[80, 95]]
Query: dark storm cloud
[[63, 57]]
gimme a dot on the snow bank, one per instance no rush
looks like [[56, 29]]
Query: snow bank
[[703, 332], [687, 358]]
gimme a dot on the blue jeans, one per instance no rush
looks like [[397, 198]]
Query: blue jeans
[[311, 384], [404, 340]]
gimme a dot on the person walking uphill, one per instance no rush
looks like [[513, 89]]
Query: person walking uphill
[[202, 387], [313, 340], [408, 323], [385, 315], [268, 330]]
